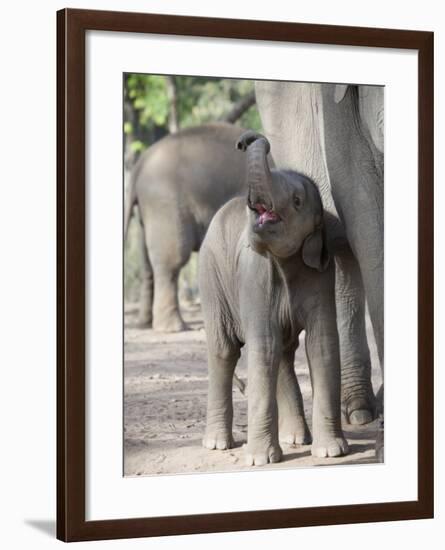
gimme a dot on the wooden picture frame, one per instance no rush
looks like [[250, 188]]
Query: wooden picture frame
[[72, 25]]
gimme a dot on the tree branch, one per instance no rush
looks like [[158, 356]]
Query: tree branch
[[240, 108]]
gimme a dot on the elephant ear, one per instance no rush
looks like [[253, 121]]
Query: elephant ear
[[315, 253], [340, 92]]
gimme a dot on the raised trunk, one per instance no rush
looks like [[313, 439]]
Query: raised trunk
[[259, 178]]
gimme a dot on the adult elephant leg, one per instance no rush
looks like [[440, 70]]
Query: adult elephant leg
[[367, 242], [358, 401], [292, 426], [145, 317], [356, 177], [373, 280], [218, 434], [370, 254]]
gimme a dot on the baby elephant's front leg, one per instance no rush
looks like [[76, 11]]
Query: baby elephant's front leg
[[324, 362], [218, 434], [262, 439], [293, 429]]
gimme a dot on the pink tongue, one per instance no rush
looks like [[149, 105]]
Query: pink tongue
[[265, 215], [268, 216]]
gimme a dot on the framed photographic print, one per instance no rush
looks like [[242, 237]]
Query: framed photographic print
[[245, 239]]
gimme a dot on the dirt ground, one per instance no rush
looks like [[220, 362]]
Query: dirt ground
[[165, 393]]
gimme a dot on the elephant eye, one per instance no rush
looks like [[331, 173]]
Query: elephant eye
[[297, 201]]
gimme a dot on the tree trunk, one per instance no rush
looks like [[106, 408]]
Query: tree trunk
[[173, 124]]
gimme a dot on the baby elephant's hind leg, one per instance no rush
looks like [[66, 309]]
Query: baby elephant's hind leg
[[292, 426], [218, 434]]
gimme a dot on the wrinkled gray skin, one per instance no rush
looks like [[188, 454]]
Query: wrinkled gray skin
[[334, 134], [264, 277], [179, 183]]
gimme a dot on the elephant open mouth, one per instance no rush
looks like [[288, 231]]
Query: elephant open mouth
[[264, 215]]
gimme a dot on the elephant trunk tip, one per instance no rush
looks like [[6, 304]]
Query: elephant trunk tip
[[240, 145], [250, 137]]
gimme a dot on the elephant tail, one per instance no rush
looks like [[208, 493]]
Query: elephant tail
[[130, 199]]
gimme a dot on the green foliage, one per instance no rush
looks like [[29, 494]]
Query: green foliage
[[198, 100], [148, 95], [137, 146], [251, 119]]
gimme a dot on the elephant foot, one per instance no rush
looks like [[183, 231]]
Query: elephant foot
[[260, 455], [217, 439], [294, 432], [328, 440], [170, 325], [359, 411], [359, 405], [360, 417], [329, 446]]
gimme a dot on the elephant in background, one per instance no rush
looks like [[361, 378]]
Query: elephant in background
[[334, 134], [265, 276], [178, 184]]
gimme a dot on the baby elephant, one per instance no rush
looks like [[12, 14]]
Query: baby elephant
[[265, 277]]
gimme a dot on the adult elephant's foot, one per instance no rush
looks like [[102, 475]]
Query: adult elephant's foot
[[294, 431], [219, 439], [260, 454], [359, 411], [359, 405]]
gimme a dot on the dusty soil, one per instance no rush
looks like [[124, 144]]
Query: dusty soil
[[165, 379]]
